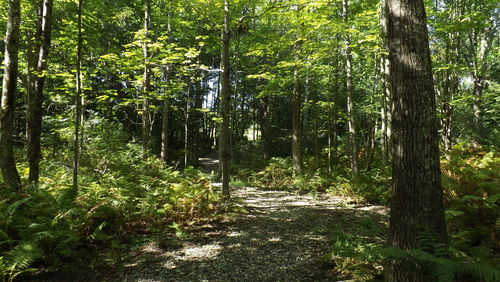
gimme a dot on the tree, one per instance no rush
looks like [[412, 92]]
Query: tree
[[146, 82], [225, 101], [298, 163], [166, 102], [78, 100], [35, 100], [9, 88], [350, 93], [417, 201]]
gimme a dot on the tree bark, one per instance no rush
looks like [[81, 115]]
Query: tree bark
[[225, 103], [164, 130], [386, 108], [298, 163], [187, 120], [78, 101], [9, 87], [417, 200], [146, 87], [35, 101], [166, 101], [350, 94], [265, 124]]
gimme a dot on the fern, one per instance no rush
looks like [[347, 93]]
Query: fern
[[18, 260], [12, 209], [442, 269], [479, 270]]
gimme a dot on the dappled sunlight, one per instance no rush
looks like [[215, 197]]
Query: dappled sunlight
[[281, 236]]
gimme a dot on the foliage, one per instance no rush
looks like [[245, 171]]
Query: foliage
[[362, 260], [371, 187], [470, 178], [120, 194]]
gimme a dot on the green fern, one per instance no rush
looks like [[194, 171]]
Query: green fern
[[12, 210], [442, 269], [18, 260], [479, 270]]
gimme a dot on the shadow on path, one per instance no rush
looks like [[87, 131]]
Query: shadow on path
[[281, 237]]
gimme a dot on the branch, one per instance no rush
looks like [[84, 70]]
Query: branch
[[210, 22]]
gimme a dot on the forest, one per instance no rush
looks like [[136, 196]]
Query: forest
[[250, 140]]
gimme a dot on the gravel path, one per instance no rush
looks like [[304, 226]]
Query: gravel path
[[280, 237]]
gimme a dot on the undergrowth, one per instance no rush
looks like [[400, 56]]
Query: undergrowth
[[278, 174], [470, 177], [120, 195], [471, 181]]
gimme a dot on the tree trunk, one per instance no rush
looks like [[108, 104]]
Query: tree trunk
[[196, 123], [166, 101], [225, 103], [298, 163], [35, 101], [164, 130], [449, 86], [371, 144], [146, 87], [476, 107], [350, 94], [78, 100], [8, 103], [187, 110], [265, 123], [386, 107], [417, 200]]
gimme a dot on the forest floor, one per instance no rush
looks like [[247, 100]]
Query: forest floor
[[269, 236], [276, 236], [279, 237]]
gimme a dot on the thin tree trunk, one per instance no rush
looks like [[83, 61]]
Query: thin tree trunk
[[196, 124], [386, 107], [166, 101], [225, 103], [9, 87], [298, 163], [265, 122], [164, 130], [373, 130], [187, 119], [78, 100], [350, 94], [476, 107], [372, 146], [35, 100], [417, 201], [146, 87]]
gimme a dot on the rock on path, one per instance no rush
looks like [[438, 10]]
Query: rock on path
[[280, 237]]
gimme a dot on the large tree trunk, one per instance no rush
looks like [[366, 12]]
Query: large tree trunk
[[225, 103], [78, 101], [350, 94], [8, 103], [417, 200], [146, 87], [35, 100]]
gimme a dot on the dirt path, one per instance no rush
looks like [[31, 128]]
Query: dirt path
[[280, 237]]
